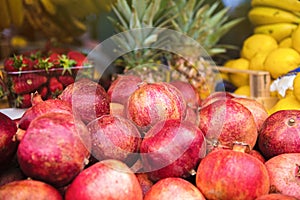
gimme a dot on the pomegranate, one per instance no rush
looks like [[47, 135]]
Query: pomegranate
[[189, 93], [275, 196], [257, 155], [89, 99], [41, 107], [172, 148], [258, 111], [153, 102], [280, 133], [114, 137], [55, 148], [107, 179], [175, 189], [227, 121], [8, 146], [122, 87], [117, 109], [215, 96], [29, 189], [145, 182], [232, 174], [284, 172]]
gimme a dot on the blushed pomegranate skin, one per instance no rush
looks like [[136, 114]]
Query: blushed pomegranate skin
[[229, 175], [189, 93], [280, 133], [106, 180], [284, 172], [153, 102], [172, 148], [29, 189], [115, 137], [89, 99], [122, 87], [8, 146], [43, 107], [175, 189], [258, 111], [54, 149], [275, 196], [227, 121], [215, 96]]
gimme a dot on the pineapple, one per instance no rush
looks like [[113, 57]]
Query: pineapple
[[181, 34]]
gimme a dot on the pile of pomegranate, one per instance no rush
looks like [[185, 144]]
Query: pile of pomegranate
[[139, 140]]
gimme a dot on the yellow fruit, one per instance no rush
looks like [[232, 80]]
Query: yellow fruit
[[296, 39], [257, 62], [287, 103], [287, 42], [257, 43], [296, 86], [239, 79], [243, 91], [281, 60]]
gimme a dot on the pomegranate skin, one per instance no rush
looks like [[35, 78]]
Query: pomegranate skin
[[106, 180], [229, 175], [43, 107], [175, 189], [172, 148], [275, 196], [122, 87], [215, 96], [115, 137], [89, 99], [54, 149], [227, 121], [153, 102], [8, 146], [280, 133], [284, 172], [145, 182], [29, 189]]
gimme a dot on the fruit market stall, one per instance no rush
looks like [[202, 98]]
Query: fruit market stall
[[159, 110]]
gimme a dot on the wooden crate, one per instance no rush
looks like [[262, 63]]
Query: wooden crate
[[259, 82]]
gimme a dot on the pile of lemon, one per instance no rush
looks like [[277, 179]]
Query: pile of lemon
[[263, 51]]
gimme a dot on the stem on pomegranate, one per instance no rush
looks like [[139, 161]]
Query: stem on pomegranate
[[19, 135], [291, 122]]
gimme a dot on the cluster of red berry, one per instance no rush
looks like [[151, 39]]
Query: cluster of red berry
[[45, 72]]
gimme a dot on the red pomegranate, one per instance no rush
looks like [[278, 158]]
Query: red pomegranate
[[29, 189], [115, 137], [55, 148], [284, 172], [280, 133], [89, 99], [175, 189], [8, 146], [227, 121], [107, 179], [275, 196], [231, 174], [153, 102], [172, 148], [41, 107], [122, 87], [145, 182], [258, 111], [215, 96]]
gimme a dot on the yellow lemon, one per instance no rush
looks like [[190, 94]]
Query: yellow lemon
[[296, 86], [287, 103], [257, 61], [281, 60], [257, 43], [243, 91], [287, 42], [239, 79], [296, 39]]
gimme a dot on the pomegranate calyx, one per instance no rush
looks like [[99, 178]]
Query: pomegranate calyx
[[291, 122], [241, 147]]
